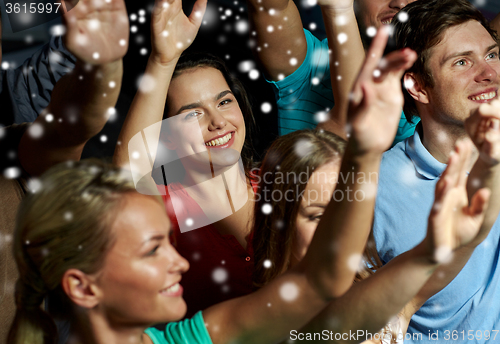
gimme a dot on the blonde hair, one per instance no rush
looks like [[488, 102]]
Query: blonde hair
[[62, 225]]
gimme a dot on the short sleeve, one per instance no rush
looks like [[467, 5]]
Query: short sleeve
[[405, 129], [305, 92], [188, 331], [28, 88]]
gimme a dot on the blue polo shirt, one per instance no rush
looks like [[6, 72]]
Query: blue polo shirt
[[408, 176]]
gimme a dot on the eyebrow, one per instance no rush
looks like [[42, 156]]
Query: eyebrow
[[198, 104], [466, 53], [317, 205], [157, 237]]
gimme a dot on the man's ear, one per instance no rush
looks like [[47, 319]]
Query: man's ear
[[81, 288], [415, 88]]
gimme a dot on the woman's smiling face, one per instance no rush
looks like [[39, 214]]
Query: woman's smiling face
[[139, 283], [204, 114]]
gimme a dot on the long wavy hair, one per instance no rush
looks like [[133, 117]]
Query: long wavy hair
[[274, 233]]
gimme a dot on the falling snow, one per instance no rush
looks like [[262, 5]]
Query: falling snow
[[289, 291], [267, 209], [68, 216], [34, 185], [303, 147], [220, 275], [12, 173], [266, 107], [35, 131]]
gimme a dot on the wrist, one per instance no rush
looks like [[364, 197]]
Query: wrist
[[157, 61], [425, 253], [362, 155], [334, 10]]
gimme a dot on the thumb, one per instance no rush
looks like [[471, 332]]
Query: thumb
[[198, 12]]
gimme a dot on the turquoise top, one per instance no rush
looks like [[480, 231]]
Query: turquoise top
[[188, 331], [308, 91]]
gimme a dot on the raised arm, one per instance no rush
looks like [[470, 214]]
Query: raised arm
[[346, 57], [171, 33], [328, 269], [495, 23], [452, 225], [97, 34], [279, 36]]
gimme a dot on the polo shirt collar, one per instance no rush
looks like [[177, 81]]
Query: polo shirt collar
[[425, 164]]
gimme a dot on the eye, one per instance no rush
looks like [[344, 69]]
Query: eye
[[153, 251], [461, 63], [225, 102], [492, 56], [315, 217], [193, 114]]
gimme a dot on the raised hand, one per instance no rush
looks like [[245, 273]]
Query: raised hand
[[172, 31], [377, 98], [483, 126], [454, 223], [97, 31]]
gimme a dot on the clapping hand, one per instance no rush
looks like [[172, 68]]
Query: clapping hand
[[483, 126], [453, 222]]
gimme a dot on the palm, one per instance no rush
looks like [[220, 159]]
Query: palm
[[376, 119], [172, 30], [377, 98], [97, 31], [483, 128], [452, 222]]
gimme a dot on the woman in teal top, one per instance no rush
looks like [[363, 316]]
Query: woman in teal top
[[102, 252]]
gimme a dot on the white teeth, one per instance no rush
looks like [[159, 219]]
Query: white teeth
[[386, 22], [485, 96], [173, 289], [219, 141]]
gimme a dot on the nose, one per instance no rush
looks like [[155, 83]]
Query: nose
[[399, 4], [486, 72], [217, 120], [179, 263]]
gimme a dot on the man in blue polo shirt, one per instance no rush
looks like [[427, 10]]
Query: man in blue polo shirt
[[453, 88]]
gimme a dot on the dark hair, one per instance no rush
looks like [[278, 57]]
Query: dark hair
[[427, 22], [273, 234], [205, 60]]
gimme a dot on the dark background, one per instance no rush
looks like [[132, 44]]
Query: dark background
[[218, 36]]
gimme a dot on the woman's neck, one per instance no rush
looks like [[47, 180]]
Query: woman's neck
[[95, 328]]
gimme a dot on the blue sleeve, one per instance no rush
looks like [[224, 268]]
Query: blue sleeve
[[405, 129], [188, 331], [30, 86], [305, 92]]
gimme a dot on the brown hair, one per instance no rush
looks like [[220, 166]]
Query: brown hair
[[273, 234], [427, 22], [65, 224]]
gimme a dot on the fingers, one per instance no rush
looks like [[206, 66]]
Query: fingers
[[465, 152], [198, 12], [479, 202], [375, 53], [396, 63]]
